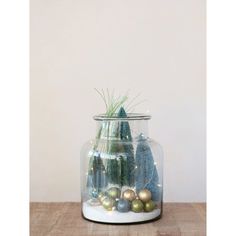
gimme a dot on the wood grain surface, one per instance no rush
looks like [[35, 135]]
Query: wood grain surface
[[64, 219]]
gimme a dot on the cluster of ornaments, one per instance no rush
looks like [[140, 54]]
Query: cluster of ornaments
[[127, 201]]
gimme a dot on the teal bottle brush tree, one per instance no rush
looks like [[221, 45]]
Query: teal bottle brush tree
[[146, 174], [124, 167], [125, 161], [128, 165]]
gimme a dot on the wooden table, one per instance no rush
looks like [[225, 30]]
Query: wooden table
[[64, 219]]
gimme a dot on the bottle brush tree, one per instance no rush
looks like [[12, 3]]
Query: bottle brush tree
[[146, 173], [127, 162]]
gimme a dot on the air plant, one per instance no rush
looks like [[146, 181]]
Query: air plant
[[113, 103]]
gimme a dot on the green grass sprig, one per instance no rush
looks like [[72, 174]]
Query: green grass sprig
[[113, 103]]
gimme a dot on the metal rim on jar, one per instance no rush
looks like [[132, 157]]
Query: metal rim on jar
[[130, 116]]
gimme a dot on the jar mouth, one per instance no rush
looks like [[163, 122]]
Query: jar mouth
[[130, 116]]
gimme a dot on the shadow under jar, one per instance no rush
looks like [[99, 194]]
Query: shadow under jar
[[121, 172]]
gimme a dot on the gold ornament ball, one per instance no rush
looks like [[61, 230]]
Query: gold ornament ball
[[144, 195], [129, 195], [108, 203], [113, 192], [101, 196], [149, 206], [137, 206]]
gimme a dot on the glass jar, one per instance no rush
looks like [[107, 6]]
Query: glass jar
[[121, 172]]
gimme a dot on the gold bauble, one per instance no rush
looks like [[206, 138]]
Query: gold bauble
[[108, 203], [144, 195], [129, 195], [137, 206], [149, 206], [101, 196], [113, 192]]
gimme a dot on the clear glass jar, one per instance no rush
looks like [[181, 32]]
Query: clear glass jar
[[121, 172]]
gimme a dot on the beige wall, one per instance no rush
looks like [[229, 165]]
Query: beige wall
[[156, 47]]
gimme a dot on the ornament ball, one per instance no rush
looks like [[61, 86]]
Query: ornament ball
[[108, 203], [101, 196], [123, 205], [94, 193], [144, 195], [137, 206], [113, 192], [149, 206], [129, 195]]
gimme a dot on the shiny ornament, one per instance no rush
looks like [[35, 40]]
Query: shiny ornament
[[94, 193], [129, 195], [101, 196], [123, 205], [113, 192], [108, 203], [144, 195], [149, 206], [137, 206]]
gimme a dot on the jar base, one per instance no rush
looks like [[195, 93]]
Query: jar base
[[99, 214]]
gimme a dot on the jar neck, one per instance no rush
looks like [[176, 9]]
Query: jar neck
[[121, 130]]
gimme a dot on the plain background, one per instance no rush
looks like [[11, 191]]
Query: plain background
[[153, 47]]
